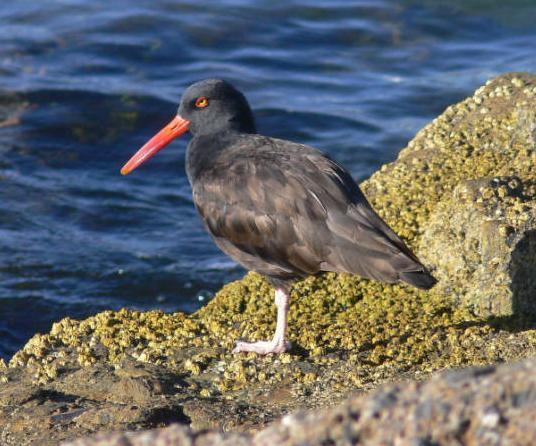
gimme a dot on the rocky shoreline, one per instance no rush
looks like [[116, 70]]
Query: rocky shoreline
[[463, 193], [499, 407]]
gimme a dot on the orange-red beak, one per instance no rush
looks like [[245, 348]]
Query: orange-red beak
[[174, 129]]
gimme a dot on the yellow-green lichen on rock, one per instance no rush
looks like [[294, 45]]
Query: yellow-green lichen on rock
[[489, 134], [488, 261], [477, 235], [334, 322], [349, 334]]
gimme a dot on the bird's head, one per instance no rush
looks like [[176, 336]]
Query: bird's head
[[210, 106]]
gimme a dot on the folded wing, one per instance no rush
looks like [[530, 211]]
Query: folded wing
[[287, 211]]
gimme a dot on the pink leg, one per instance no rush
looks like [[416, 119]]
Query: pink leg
[[278, 344]]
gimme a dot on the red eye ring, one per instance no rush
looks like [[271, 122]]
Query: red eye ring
[[201, 102]]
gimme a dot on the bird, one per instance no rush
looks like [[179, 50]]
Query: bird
[[280, 208]]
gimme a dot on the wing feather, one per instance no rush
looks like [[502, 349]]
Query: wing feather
[[286, 210]]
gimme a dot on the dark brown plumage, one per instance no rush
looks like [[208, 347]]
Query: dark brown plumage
[[279, 208], [287, 211]]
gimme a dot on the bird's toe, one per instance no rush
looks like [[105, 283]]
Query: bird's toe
[[262, 347]]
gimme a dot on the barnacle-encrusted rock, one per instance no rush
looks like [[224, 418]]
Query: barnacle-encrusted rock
[[128, 370], [488, 260], [463, 191]]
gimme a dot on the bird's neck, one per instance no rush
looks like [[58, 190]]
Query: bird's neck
[[204, 150]]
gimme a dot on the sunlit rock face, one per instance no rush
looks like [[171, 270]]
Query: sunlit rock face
[[463, 191]]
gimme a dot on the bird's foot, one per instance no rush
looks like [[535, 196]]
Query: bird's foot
[[262, 347]]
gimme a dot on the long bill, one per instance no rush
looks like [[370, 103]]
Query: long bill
[[174, 129]]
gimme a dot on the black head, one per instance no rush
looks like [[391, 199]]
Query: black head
[[214, 105], [207, 107]]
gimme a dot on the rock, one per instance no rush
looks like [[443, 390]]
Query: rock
[[174, 435], [488, 260], [130, 370], [87, 400], [464, 191], [489, 405], [477, 406]]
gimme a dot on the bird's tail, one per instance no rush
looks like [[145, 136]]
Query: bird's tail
[[420, 279]]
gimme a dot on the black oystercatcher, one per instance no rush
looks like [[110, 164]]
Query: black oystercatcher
[[277, 207]]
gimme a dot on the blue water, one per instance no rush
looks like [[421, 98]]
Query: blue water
[[84, 84]]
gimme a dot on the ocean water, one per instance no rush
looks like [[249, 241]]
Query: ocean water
[[84, 84]]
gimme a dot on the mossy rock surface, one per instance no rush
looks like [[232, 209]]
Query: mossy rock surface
[[463, 192], [488, 261], [349, 334]]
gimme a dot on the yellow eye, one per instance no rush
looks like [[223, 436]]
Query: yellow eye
[[201, 102]]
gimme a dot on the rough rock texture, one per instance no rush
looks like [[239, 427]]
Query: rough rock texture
[[489, 261], [174, 435], [128, 370], [477, 234], [478, 406]]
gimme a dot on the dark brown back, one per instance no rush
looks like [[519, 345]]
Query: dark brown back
[[285, 210]]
